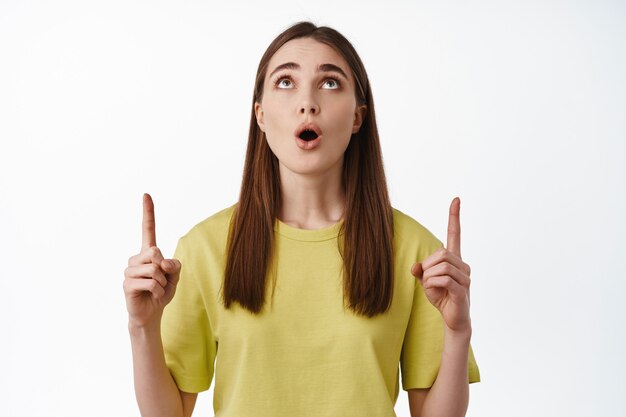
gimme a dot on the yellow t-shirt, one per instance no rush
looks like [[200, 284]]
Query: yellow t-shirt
[[305, 355]]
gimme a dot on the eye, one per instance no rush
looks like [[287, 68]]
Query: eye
[[279, 82], [335, 83]]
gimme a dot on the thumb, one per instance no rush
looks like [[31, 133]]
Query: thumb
[[171, 267], [417, 270]]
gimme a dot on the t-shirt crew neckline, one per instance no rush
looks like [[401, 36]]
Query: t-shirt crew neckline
[[310, 235]]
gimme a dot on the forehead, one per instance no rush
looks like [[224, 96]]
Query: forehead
[[309, 53]]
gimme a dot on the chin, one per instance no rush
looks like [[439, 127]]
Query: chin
[[312, 166]]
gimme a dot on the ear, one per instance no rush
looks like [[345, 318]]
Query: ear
[[258, 111], [359, 116]]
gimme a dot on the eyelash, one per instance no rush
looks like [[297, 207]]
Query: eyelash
[[288, 77]]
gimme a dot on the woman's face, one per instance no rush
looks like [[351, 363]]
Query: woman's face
[[315, 86]]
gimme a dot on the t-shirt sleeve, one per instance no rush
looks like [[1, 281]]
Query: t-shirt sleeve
[[424, 337], [188, 341]]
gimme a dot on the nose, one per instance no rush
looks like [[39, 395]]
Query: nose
[[309, 108], [309, 104]]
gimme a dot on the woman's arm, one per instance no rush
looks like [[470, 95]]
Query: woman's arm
[[149, 285], [157, 393], [446, 282], [451, 383]]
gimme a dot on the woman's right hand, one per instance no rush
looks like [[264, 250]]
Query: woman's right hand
[[150, 280]]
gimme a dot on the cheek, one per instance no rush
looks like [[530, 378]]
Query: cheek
[[343, 119], [274, 116], [275, 126]]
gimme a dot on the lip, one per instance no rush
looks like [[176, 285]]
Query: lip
[[308, 126], [310, 144]]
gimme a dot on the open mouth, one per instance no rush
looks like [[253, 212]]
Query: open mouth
[[308, 135]]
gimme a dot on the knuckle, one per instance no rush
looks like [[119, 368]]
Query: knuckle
[[128, 286], [160, 279]]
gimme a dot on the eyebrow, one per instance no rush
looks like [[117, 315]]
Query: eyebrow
[[321, 68]]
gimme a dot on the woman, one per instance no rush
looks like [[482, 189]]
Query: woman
[[302, 295]]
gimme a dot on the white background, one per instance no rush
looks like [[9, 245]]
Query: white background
[[516, 107]]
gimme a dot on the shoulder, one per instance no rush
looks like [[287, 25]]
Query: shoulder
[[410, 232], [406, 227], [212, 228]]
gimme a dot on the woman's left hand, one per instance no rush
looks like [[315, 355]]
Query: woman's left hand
[[446, 278]]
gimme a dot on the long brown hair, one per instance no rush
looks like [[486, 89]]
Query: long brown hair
[[366, 243]]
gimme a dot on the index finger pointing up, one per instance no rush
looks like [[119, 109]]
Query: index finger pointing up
[[148, 236], [454, 227]]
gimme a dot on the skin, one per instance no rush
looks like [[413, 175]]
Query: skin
[[310, 180]]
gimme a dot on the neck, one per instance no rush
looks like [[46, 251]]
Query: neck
[[311, 201]]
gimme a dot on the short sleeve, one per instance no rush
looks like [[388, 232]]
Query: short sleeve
[[188, 342], [424, 337]]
